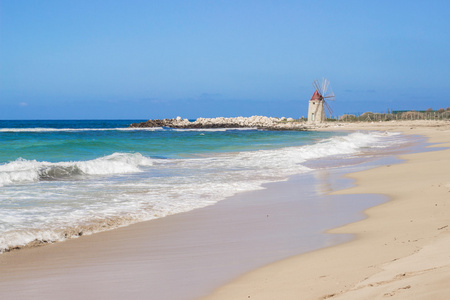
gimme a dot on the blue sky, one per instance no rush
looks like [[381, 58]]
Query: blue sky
[[157, 59]]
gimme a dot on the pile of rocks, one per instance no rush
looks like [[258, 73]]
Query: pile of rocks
[[259, 122]]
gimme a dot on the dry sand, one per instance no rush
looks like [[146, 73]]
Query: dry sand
[[402, 250]]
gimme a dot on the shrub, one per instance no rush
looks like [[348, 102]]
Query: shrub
[[414, 115], [347, 118]]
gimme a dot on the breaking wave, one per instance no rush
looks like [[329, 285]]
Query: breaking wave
[[55, 211], [23, 171]]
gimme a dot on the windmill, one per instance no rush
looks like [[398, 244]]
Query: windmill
[[318, 101]]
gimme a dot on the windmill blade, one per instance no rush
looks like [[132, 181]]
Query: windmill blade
[[330, 111], [330, 94], [325, 85], [329, 97], [322, 86], [316, 86]]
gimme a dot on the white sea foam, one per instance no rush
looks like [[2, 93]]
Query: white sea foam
[[22, 170], [147, 189], [78, 129]]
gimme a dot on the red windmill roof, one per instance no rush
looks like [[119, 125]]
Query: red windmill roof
[[316, 96]]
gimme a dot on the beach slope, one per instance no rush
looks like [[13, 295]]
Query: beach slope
[[401, 251]]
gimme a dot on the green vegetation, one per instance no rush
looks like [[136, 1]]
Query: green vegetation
[[429, 114]]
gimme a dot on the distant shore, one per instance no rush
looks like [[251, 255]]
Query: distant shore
[[258, 122], [272, 123]]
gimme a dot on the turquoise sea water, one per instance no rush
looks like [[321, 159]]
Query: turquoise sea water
[[61, 179], [83, 140]]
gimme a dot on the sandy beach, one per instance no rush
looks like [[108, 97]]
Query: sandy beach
[[400, 250], [186, 256], [224, 150]]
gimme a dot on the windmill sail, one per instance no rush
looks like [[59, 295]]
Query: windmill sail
[[317, 87], [330, 111], [324, 93]]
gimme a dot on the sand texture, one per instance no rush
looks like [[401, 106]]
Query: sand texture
[[188, 255], [402, 250]]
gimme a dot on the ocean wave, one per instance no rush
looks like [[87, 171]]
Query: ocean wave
[[77, 129], [22, 170], [289, 160], [345, 145], [170, 186], [23, 238], [286, 160]]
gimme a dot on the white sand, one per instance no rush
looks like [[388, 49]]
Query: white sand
[[186, 256], [402, 250]]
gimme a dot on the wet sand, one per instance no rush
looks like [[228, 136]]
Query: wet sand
[[402, 250], [186, 256]]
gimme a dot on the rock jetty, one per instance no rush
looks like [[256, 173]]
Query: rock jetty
[[258, 122]]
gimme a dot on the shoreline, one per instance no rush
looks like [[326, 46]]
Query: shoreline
[[213, 245], [69, 264], [401, 248]]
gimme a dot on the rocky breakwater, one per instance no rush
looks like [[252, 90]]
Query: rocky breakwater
[[257, 122]]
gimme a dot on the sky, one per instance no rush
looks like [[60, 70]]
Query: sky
[[162, 59]]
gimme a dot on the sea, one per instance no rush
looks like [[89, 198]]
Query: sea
[[60, 179]]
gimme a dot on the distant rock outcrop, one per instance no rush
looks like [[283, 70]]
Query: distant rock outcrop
[[258, 122]]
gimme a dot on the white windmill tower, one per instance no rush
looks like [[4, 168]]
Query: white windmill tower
[[318, 102]]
